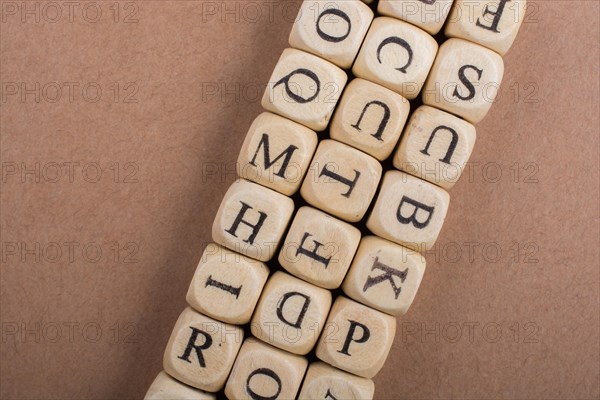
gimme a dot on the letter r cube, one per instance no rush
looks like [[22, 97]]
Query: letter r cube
[[201, 351]]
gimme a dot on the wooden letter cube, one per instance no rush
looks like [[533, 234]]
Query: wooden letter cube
[[226, 285], [264, 372], [252, 220], [397, 55], [464, 79], [166, 388], [304, 88], [291, 313], [435, 146], [490, 23], [428, 15], [356, 339], [201, 351], [384, 275], [333, 30], [341, 180], [408, 211], [319, 248], [276, 153], [322, 381], [369, 118]]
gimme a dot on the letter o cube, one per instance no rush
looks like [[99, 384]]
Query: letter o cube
[[264, 372], [333, 30]]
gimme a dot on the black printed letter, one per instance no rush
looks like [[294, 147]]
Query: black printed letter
[[191, 345], [451, 147], [312, 253], [382, 124], [286, 154], [388, 275], [240, 220], [400, 42], [465, 81], [413, 217], [350, 336], [281, 305]]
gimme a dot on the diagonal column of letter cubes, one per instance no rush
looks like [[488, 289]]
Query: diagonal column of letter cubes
[[383, 275]]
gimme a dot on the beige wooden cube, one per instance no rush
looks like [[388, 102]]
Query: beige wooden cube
[[396, 55], [252, 220], [490, 23], [166, 388], [333, 30], [319, 248], [264, 372], [464, 79], [201, 351], [435, 146], [369, 118], [428, 15], [356, 338], [276, 153], [323, 381], [304, 88], [384, 275], [408, 211], [226, 285], [291, 313], [341, 180]]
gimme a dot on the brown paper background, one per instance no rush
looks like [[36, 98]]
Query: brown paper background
[[76, 328]]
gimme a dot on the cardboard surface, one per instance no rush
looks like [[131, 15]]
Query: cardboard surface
[[112, 175]]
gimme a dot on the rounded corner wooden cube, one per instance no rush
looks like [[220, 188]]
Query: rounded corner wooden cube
[[464, 80], [276, 153], [323, 381], [370, 118], [166, 388], [408, 211], [290, 313], [428, 15], [341, 180], [201, 351], [252, 220], [333, 30], [490, 23], [304, 88], [264, 372], [319, 248], [435, 146], [226, 285], [356, 338], [384, 275], [396, 55]]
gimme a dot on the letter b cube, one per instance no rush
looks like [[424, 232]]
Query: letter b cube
[[408, 211]]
